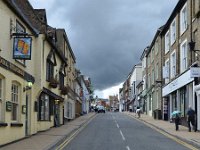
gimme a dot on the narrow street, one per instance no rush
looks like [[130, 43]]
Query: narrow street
[[116, 131]]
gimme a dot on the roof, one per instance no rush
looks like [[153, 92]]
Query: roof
[[176, 10], [154, 39], [19, 7]]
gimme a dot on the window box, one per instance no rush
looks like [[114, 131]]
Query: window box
[[64, 90], [3, 124], [53, 83], [16, 124]]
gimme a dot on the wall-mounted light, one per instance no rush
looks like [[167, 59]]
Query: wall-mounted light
[[57, 101], [28, 86]]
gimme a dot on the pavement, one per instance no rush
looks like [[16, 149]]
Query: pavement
[[47, 140], [169, 128]]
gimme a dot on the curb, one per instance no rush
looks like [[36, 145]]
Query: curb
[[178, 137], [54, 145]]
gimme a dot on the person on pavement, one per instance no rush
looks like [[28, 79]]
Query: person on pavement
[[191, 118], [138, 112], [177, 121]]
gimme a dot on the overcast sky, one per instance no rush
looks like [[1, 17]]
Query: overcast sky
[[107, 36]]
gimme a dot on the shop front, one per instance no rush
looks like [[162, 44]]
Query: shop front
[[178, 95]]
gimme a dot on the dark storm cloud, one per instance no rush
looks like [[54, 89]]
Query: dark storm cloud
[[108, 36]]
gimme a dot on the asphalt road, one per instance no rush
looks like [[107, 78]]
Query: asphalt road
[[116, 131]]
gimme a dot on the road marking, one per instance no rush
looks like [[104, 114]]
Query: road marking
[[122, 135], [127, 147], [167, 135], [71, 137], [117, 126]]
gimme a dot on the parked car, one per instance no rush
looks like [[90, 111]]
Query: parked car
[[101, 109]]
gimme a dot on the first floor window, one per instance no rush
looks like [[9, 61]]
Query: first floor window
[[173, 64], [14, 101], [44, 107]]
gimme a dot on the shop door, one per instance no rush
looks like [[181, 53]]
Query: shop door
[[56, 115], [27, 116], [198, 110]]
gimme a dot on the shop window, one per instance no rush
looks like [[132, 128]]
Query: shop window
[[174, 102], [44, 114], [150, 102], [182, 101], [15, 101]]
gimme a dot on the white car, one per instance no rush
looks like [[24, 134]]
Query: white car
[[101, 109]]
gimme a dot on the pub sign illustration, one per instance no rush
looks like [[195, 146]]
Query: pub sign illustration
[[22, 48]]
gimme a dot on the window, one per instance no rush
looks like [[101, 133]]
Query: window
[[173, 64], [149, 60], [149, 80], [150, 102], [183, 18], [61, 79], [173, 32], [182, 101], [153, 77], [144, 82], [167, 42], [152, 54], [15, 101], [166, 71], [49, 70], [44, 107], [174, 101], [20, 29], [156, 73], [183, 56], [68, 110], [156, 47]]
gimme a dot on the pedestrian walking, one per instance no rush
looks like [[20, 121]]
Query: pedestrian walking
[[191, 119], [177, 121], [138, 111], [176, 117]]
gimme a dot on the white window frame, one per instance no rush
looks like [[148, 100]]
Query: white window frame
[[144, 82], [153, 76], [183, 19], [167, 70], [15, 97], [156, 74], [173, 64], [183, 55], [167, 43], [173, 32]]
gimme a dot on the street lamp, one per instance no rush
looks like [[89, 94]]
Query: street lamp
[[28, 86]]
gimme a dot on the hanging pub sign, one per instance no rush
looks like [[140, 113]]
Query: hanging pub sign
[[22, 48]]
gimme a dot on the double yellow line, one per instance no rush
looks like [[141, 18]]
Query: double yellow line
[[72, 136], [168, 135]]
